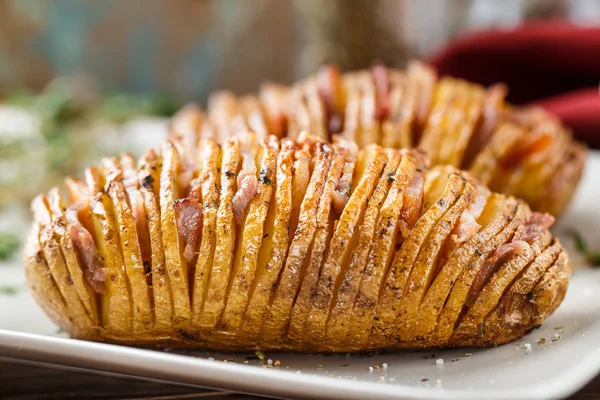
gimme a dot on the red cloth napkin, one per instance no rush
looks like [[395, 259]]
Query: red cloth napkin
[[553, 64]]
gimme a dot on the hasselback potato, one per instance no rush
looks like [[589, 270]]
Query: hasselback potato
[[524, 152], [302, 245]]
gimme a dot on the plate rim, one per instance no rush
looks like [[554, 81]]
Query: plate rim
[[198, 371]]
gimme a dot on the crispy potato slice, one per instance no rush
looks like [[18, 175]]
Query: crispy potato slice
[[342, 244], [135, 198], [246, 268], [495, 216], [50, 248], [62, 226], [79, 199], [218, 279], [292, 274], [493, 109], [485, 166], [255, 119], [316, 110], [490, 294], [396, 130], [223, 113], [275, 245], [41, 284], [445, 122], [149, 178], [562, 185], [318, 247], [425, 80], [175, 265], [129, 247], [553, 285], [425, 267], [370, 126], [380, 256], [116, 304], [185, 126], [452, 311], [471, 111], [273, 100], [210, 158], [514, 311], [338, 324], [395, 285]]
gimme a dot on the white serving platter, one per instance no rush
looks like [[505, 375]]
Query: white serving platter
[[527, 369]]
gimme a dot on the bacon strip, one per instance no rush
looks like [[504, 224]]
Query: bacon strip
[[343, 190], [188, 212], [413, 202], [247, 188], [330, 89], [535, 227], [93, 267], [491, 265], [383, 86], [467, 225]]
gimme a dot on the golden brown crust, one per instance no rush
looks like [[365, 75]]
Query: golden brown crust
[[523, 152], [303, 269]]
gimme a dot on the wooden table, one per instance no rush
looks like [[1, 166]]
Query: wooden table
[[24, 381]]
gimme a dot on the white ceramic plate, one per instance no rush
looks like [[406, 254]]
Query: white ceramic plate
[[526, 369]]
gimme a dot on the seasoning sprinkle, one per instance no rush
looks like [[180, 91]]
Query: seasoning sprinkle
[[277, 363], [260, 355], [464, 355], [439, 361], [541, 341]]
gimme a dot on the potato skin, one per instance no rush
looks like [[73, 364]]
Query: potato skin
[[372, 261], [518, 151]]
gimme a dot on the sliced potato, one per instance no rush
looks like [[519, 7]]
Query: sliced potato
[[458, 297], [210, 157], [426, 263], [291, 277], [129, 247], [218, 279], [117, 303], [381, 255], [335, 249], [275, 245], [449, 186], [338, 324], [341, 245], [245, 268], [41, 284], [496, 215], [320, 242], [62, 227], [174, 264]]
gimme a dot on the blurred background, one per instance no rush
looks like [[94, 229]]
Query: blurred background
[[80, 80]]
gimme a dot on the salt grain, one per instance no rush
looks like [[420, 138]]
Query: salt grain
[[439, 361], [384, 365], [370, 369], [527, 346]]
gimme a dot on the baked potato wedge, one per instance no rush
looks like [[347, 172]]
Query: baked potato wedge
[[299, 245], [518, 151]]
